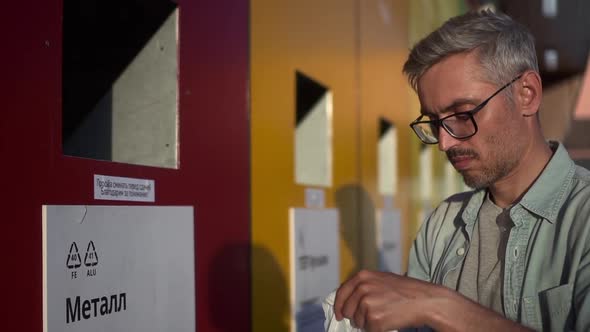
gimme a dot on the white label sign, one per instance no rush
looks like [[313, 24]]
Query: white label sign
[[389, 240], [115, 188], [118, 268], [315, 264], [315, 198]]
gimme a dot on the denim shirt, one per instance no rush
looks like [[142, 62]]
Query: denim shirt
[[547, 263]]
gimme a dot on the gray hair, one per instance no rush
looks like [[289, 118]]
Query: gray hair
[[504, 47]]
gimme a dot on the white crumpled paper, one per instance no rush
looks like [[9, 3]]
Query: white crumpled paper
[[331, 324]]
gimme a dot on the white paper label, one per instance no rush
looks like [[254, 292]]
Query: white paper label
[[115, 188], [315, 264], [390, 254], [118, 268], [315, 198]]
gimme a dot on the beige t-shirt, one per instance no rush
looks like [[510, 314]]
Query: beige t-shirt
[[480, 278]]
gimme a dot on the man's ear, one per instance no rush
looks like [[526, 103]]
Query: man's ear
[[528, 93]]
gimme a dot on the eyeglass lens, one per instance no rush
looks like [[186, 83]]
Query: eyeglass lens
[[458, 125]]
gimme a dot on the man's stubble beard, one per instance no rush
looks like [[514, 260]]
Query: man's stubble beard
[[502, 157]]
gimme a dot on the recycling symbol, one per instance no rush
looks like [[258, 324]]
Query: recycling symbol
[[74, 261], [90, 258]]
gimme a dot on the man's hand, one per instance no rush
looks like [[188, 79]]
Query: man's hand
[[379, 301]]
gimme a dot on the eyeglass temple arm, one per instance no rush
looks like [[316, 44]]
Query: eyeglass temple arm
[[485, 102]]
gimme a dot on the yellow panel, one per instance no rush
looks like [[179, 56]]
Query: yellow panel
[[383, 51], [317, 38]]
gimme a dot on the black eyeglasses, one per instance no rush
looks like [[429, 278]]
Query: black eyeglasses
[[459, 125]]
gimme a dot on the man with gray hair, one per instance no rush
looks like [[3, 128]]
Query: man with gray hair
[[514, 253]]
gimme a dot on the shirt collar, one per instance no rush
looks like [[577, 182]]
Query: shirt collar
[[545, 196], [473, 205]]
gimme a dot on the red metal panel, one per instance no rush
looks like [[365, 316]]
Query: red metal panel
[[214, 156]]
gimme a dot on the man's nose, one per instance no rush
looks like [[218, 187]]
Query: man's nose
[[445, 140]]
